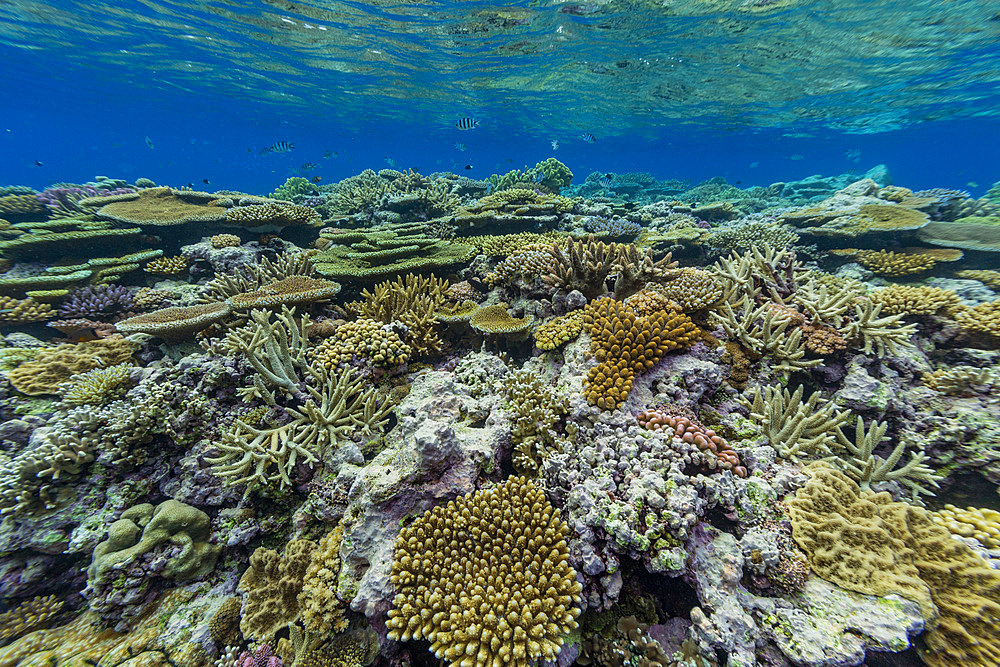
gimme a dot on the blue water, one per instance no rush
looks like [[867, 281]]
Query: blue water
[[756, 93]]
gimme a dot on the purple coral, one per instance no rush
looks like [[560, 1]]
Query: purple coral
[[263, 656], [105, 303], [65, 200]]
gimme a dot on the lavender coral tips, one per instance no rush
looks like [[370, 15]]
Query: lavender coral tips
[[486, 579]]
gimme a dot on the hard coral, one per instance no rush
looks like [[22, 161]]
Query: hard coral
[[290, 291], [167, 266], [486, 579], [496, 320], [559, 330], [626, 344], [690, 431], [54, 366], [915, 300], [364, 339], [175, 323], [890, 263]]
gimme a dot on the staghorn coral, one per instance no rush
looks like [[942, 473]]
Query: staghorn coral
[[766, 330], [981, 319], [51, 367], [496, 320], [413, 302], [915, 300], [366, 339], [559, 330], [795, 428], [867, 543], [870, 333], [506, 547], [586, 266], [276, 350], [175, 323], [962, 380], [626, 344], [762, 272], [167, 266], [981, 524], [859, 463], [97, 386], [23, 311], [290, 291], [691, 431]]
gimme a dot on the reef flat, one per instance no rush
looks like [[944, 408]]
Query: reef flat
[[425, 420]]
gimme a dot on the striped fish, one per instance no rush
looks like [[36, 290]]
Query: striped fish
[[588, 137], [466, 123], [460, 146], [278, 147], [606, 181]]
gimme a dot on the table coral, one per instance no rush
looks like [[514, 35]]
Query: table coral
[[175, 323], [290, 291], [54, 366], [272, 214], [626, 344], [157, 207], [524, 594], [496, 320]]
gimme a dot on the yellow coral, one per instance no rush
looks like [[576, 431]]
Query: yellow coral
[[167, 266], [413, 301], [54, 366], [559, 330], [28, 616], [225, 241], [175, 323], [626, 344], [289, 291], [97, 386], [322, 612], [692, 289], [987, 277], [890, 263], [508, 244], [981, 523], [486, 579], [21, 311], [496, 320], [981, 319], [271, 587], [915, 300], [366, 338], [273, 214]]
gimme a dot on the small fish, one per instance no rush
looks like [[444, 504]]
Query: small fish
[[317, 179], [466, 123], [149, 142], [329, 154], [972, 184], [754, 165], [853, 154], [460, 146], [249, 150], [797, 156], [389, 161], [190, 185], [588, 137], [555, 144], [38, 163], [606, 181], [278, 147], [468, 166], [206, 181], [308, 166]]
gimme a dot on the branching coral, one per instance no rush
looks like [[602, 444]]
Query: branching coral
[[890, 263], [762, 272], [38, 612], [97, 386], [764, 330], [276, 350], [981, 319], [535, 410], [962, 380], [365, 339], [486, 579], [626, 344], [692, 289], [413, 302], [496, 320], [252, 277], [860, 464], [793, 427], [586, 266], [915, 300], [52, 367], [872, 333]]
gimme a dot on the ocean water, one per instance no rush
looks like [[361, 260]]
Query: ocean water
[[411, 334]]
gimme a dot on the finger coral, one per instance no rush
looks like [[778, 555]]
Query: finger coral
[[559, 330], [21, 311], [915, 300], [692, 289], [890, 263], [962, 380], [981, 319], [486, 579], [983, 524], [167, 266], [52, 367], [626, 344], [363, 339]]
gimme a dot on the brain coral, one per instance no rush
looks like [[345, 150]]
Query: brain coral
[[626, 344], [486, 579]]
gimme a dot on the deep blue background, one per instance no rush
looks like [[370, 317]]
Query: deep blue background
[[98, 127]]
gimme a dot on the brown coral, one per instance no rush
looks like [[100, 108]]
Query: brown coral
[[890, 263], [414, 302], [692, 289], [167, 266], [28, 616], [175, 323], [691, 431], [290, 291], [364, 338], [981, 319], [626, 344], [486, 579], [158, 207], [271, 587], [559, 330], [272, 214], [22, 311], [225, 241]]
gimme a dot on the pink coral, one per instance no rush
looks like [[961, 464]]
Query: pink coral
[[263, 656], [691, 431]]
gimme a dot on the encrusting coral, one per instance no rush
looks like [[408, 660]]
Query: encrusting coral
[[559, 330], [626, 344], [486, 579]]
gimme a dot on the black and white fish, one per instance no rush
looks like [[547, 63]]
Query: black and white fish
[[466, 123], [278, 147], [308, 166], [606, 181], [460, 146], [588, 137]]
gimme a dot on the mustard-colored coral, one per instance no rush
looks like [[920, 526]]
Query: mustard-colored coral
[[412, 301], [526, 264], [54, 366], [322, 612], [987, 277], [626, 344], [915, 300], [272, 214], [23, 311], [890, 263], [692, 289], [508, 244], [535, 408], [28, 616], [158, 207], [271, 587], [981, 319], [486, 579], [225, 241], [224, 626], [167, 266], [18, 206], [98, 386], [175, 323], [364, 338], [983, 524], [865, 542], [559, 330], [496, 320], [962, 380]]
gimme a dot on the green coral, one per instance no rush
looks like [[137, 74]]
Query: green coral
[[296, 185], [551, 174], [97, 386]]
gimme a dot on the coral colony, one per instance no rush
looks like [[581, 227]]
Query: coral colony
[[429, 420]]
